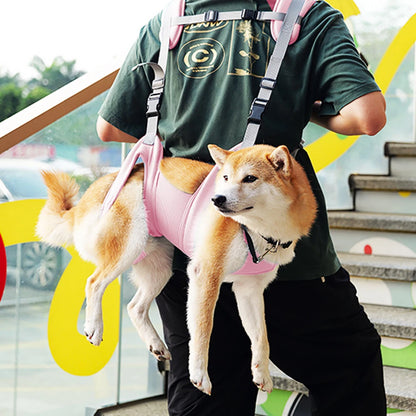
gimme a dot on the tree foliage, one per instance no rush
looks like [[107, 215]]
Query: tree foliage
[[16, 94], [10, 99], [54, 76]]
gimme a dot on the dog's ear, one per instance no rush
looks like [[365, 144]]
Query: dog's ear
[[281, 160], [218, 155]]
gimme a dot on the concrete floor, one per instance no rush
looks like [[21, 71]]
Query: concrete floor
[[156, 407]]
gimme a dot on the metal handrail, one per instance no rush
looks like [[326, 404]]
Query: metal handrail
[[44, 112]]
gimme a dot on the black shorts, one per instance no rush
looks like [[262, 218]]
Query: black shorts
[[318, 335]]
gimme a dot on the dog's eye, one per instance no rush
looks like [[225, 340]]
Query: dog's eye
[[225, 178], [249, 179]]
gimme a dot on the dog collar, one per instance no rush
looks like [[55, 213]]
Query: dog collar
[[273, 245]]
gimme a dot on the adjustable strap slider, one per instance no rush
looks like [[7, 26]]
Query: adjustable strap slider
[[256, 110], [268, 83], [158, 83], [248, 14], [211, 16]]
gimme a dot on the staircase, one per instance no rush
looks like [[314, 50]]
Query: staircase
[[377, 244]]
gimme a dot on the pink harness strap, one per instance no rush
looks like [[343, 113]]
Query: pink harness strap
[[250, 268], [282, 6], [177, 8], [171, 213]]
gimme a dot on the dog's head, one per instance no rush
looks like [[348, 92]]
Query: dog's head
[[261, 185]]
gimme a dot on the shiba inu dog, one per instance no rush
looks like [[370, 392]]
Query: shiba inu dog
[[262, 205]]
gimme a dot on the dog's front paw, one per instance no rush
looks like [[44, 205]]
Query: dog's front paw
[[160, 351], [262, 380], [93, 332], [201, 381]]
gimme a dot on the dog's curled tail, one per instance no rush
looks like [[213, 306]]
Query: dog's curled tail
[[55, 221]]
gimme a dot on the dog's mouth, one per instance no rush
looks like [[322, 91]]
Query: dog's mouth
[[225, 210]]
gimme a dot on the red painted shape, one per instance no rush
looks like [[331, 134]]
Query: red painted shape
[[3, 267], [368, 249]]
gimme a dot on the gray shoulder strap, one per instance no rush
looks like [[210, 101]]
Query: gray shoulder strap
[[268, 82]]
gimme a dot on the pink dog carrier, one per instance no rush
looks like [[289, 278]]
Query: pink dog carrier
[[160, 197]]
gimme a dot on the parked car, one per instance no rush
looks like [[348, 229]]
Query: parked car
[[40, 265]]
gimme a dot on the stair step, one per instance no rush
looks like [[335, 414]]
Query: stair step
[[152, 406], [373, 233], [384, 194], [382, 183], [403, 166], [393, 322], [382, 280], [402, 159], [385, 201], [373, 221], [400, 386], [282, 381], [399, 149], [381, 267], [376, 291]]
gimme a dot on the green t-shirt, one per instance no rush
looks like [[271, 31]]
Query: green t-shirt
[[213, 75]]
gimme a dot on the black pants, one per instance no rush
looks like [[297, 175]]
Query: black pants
[[318, 334]]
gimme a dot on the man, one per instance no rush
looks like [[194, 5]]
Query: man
[[318, 332]]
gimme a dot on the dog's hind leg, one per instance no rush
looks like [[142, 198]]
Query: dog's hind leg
[[94, 291], [204, 287], [150, 276], [112, 259], [249, 295]]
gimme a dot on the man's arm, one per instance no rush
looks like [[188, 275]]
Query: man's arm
[[365, 115], [108, 133]]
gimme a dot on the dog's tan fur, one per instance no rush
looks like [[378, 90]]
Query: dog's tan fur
[[264, 188], [185, 174]]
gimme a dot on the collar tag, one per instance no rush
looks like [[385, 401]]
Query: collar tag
[[272, 246]]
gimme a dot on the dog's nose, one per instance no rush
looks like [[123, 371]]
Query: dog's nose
[[219, 200]]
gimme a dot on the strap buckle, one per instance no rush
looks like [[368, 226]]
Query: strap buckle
[[211, 16], [256, 110], [247, 14], [153, 104]]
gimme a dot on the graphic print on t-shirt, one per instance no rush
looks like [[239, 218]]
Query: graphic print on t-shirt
[[203, 55], [246, 49], [199, 58]]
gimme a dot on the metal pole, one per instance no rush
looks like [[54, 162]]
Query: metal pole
[[120, 333], [17, 333]]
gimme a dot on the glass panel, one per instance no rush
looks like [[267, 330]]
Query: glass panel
[[31, 381], [139, 376]]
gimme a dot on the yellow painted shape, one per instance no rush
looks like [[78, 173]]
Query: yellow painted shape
[[331, 146], [405, 194], [18, 219], [347, 7], [395, 54], [328, 148], [71, 351]]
